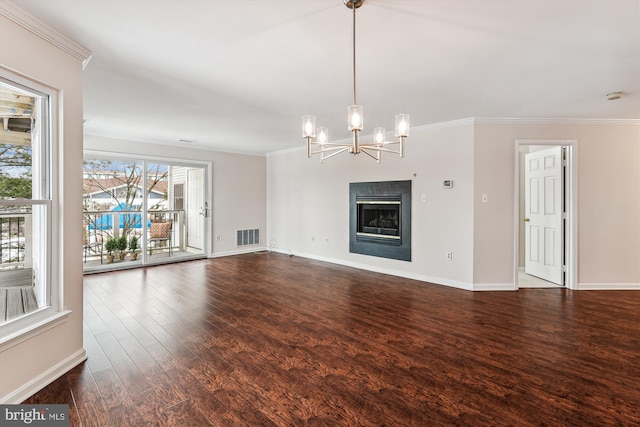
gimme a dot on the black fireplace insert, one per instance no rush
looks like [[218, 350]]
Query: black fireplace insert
[[380, 219], [379, 216]]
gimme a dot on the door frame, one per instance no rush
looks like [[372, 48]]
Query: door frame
[[571, 207], [207, 250], [203, 208]]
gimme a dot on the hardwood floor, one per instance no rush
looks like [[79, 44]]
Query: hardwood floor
[[272, 340]]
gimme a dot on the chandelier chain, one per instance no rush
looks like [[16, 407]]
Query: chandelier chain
[[354, 53]]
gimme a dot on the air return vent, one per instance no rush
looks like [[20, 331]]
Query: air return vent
[[248, 237]]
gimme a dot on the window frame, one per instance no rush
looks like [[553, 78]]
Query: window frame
[[47, 183], [146, 160]]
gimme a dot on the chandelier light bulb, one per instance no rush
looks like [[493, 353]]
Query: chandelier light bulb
[[308, 127], [402, 125], [355, 117], [355, 120], [323, 135], [379, 135]]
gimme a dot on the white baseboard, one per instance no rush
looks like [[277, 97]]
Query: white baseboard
[[238, 252], [452, 283], [47, 377], [494, 287], [398, 273], [608, 287]]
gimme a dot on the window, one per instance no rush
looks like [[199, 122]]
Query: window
[[129, 199], [25, 202]]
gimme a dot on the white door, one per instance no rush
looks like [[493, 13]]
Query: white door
[[195, 208], [543, 214]]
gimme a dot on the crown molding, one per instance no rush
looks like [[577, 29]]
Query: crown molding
[[39, 28], [552, 121], [497, 121], [524, 121], [447, 124]]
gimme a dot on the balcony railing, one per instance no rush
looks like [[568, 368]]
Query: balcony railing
[[99, 226], [15, 228]]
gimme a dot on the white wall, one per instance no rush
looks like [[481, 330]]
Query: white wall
[[33, 363], [608, 200], [306, 199], [308, 202], [238, 185]]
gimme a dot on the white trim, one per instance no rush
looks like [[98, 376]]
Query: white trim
[[51, 256], [39, 28], [44, 379], [397, 273], [240, 252], [553, 121], [37, 324], [608, 286], [448, 124], [494, 121], [419, 277], [171, 161], [207, 148], [483, 287], [286, 150], [571, 196]]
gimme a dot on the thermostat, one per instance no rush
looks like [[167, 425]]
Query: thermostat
[[447, 183]]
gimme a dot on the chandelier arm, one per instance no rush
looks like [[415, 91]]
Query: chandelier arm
[[388, 150], [365, 151], [334, 144], [381, 146], [342, 150], [378, 144], [330, 149]]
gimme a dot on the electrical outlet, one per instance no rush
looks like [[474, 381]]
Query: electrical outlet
[[326, 240], [449, 255], [485, 198], [217, 237], [424, 198]]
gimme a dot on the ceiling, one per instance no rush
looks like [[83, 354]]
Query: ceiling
[[237, 75]]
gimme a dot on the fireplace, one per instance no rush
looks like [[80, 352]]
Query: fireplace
[[380, 219], [379, 216]]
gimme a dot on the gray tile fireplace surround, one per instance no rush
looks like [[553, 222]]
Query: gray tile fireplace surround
[[380, 219]]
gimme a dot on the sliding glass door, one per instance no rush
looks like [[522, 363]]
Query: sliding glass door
[[142, 211]]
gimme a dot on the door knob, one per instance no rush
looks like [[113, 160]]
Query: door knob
[[526, 220]]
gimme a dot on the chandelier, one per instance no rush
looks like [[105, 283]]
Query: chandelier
[[355, 120]]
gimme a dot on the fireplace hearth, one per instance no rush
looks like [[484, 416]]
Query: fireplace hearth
[[380, 219]]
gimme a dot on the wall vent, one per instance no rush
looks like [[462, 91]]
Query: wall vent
[[248, 237]]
